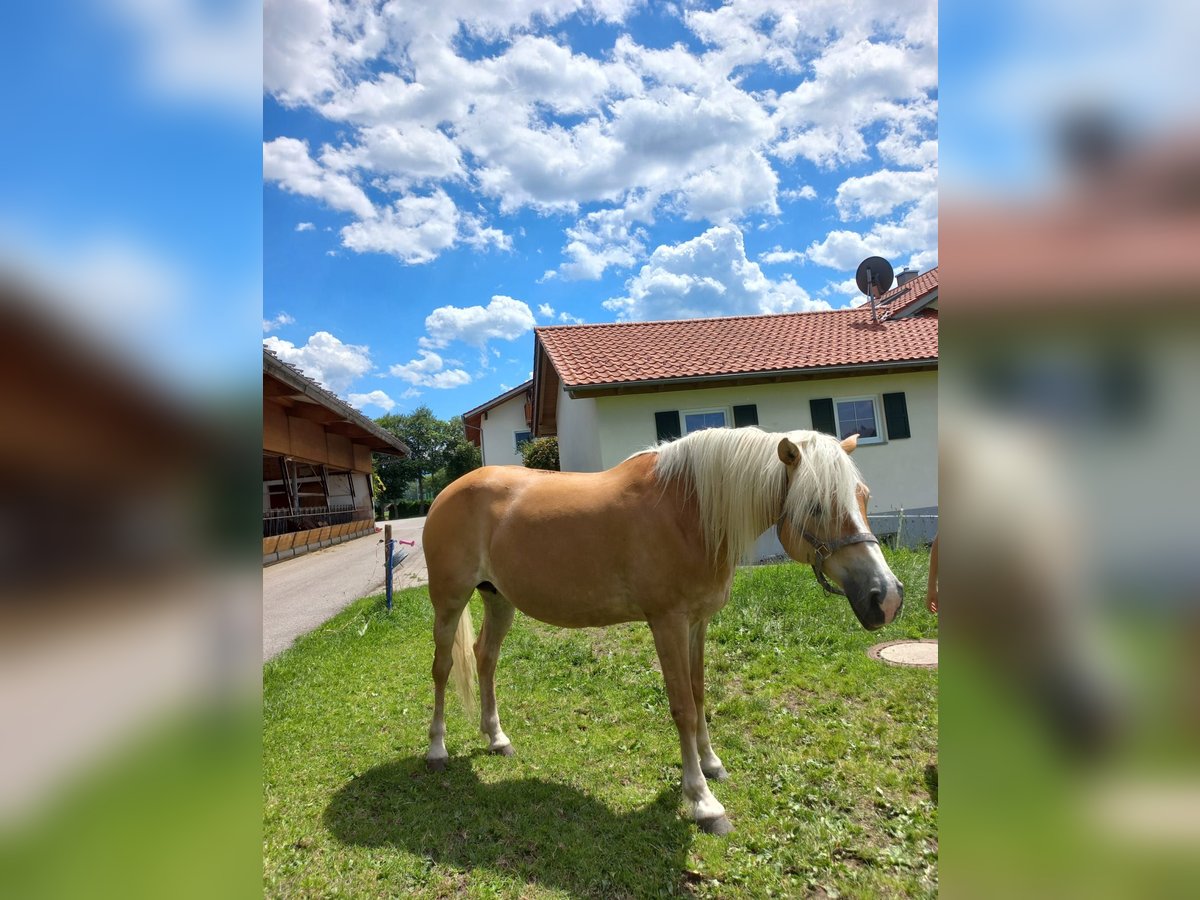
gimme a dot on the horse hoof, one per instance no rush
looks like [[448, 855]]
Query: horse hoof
[[717, 774], [506, 750], [436, 765], [718, 825]]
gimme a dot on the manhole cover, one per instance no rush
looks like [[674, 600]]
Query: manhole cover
[[922, 653]]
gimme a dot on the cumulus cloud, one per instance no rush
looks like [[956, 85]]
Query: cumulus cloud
[[286, 162], [305, 226], [911, 239], [546, 311], [325, 359], [277, 322], [414, 152], [600, 240], [417, 228], [877, 194], [707, 276], [430, 371], [807, 192], [778, 255], [856, 83], [503, 318], [374, 398], [534, 123]]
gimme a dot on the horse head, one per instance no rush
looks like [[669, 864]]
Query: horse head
[[824, 524]]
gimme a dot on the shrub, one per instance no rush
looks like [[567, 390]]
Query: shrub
[[541, 453]]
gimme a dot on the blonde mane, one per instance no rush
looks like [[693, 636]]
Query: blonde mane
[[738, 481]]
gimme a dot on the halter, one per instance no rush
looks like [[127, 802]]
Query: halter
[[826, 549]]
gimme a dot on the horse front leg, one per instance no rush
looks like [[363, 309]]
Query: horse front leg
[[710, 763], [671, 641]]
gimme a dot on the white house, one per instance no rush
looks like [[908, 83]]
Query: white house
[[501, 425], [610, 390]]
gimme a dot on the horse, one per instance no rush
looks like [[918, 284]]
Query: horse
[[656, 538]]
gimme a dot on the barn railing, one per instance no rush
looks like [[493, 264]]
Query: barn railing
[[284, 521]]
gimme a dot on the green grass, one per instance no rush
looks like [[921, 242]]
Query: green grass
[[832, 757]]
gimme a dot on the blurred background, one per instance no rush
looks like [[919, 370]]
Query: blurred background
[[1070, 671], [130, 292]]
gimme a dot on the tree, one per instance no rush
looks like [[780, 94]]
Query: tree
[[541, 453], [435, 445]]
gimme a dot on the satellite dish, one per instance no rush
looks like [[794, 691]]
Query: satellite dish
[[874, 276]]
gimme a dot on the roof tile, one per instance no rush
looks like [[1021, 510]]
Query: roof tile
[[627, 352]]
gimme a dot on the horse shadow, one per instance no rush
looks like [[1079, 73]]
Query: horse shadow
[[527, 828]]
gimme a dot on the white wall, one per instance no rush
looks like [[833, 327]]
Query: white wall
[[900, 473], [499, 427], [578, 435]]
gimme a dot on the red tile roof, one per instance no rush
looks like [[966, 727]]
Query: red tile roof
[[625, 352]]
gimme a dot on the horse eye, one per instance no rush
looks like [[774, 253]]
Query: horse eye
[[815, 512]]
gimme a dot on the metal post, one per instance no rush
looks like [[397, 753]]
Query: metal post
[[387, 561]]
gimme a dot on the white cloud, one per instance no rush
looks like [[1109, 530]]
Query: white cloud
[[430, 371], [731, 189], [286, 161], [503, 318], [414, 152], [535, 123], [305, 226], [877, 194], [600, 240], [409, 393], [707, 276], [546, 311], [856, 83], [777, 255], [568, 319], [325, 359], [418, 228], [375, 398], [913, 240], [807, 192], [277, 322]]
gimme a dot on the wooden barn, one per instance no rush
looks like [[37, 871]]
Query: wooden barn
[[316, 464]]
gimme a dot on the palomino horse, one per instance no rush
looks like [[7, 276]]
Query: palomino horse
[[655, 539]]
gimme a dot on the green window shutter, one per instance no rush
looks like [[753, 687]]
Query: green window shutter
[[822, 415], [895, 412], [667, 424], [745, 415]]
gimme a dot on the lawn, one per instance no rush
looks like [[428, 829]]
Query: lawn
[[832, 758]]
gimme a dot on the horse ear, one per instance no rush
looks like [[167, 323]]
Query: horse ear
[[789, 453], [850, 443]]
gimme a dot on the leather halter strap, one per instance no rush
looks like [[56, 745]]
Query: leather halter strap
[[826, 549]]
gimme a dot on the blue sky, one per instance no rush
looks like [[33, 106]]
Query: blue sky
[[440, 178]]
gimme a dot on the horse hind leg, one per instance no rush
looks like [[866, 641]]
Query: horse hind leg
[[497, 619], [447, 616]]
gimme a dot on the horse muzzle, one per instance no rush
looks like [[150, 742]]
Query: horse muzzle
[[876, 602]]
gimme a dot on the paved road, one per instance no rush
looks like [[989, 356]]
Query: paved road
[[301, 593]]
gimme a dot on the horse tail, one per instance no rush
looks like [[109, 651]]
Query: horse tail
[[462, 657]]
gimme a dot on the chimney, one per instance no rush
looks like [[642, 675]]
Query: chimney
[[903, 278]]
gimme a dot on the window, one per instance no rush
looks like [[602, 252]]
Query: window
[[701, 419], [858, 415], [522, 438]]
